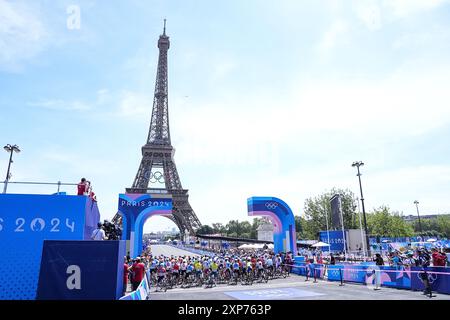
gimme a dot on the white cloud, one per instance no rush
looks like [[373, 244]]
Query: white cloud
[[134, 104], [369, 12], [404, 8], [22, 34], [374, 13], [61, 105], [330, 38], [400, 105], [103, 97]]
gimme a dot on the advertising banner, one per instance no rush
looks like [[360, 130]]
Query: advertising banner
[[336, 240], [26, 220], [81, 270]]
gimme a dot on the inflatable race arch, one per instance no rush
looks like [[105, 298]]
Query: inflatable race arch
[[279, 213]]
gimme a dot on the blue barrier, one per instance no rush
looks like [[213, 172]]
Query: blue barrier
[[26, 220], [81, 270], [439, 281], [141, 293], [388, 276]]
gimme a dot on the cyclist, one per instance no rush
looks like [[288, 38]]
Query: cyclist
[[189, 269], [198, 268], [183, 267], [161, 272], [214, 269], [236, 268], [277, 262], [259, 268], [175, 269], [269, 263], [248, 269], [153, 266]]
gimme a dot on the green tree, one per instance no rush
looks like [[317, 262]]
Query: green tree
[[382, 222], [444, 225], [219, 228], [232, 227], [205, 229], [304, 228], [246, 229], [317, 209]]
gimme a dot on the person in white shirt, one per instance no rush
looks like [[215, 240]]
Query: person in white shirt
[[99, 233]]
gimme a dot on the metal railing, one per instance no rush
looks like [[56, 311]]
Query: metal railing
[[59, 183]]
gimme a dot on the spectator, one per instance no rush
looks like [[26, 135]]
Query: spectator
[[378, 260], [125, 275], [83, 187], [396, 260], [319, 258], [438, 258], [138, 270], [332, 259], [99, 233]]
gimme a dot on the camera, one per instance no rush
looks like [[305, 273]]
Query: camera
[[112, 231]]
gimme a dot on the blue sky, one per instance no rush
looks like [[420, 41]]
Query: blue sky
[[266, 98]]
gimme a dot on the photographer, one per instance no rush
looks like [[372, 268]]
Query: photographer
[[98, 234], [423, 260], [112, 231]]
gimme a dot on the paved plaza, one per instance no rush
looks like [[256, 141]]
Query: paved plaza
[[292, 288]]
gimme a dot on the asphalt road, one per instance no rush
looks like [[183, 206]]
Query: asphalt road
[[158, 249], [292, 288]]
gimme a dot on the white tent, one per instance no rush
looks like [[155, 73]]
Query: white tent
[[320, 244], [431, 240], [255, 246]]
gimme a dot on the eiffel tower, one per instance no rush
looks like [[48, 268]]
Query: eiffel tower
[[158, 153]]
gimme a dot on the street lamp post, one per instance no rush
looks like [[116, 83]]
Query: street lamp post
[[358, 164], [417, 207], [9, 148]]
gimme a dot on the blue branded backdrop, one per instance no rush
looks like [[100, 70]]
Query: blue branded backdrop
[[336, 240], [135, 210], [25, 221], [98, 266]]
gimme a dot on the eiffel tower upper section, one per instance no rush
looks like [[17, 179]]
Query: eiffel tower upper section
[[159, 133], [158, 153]]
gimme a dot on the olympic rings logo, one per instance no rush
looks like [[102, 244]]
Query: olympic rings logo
[[154, 177], [432, 277], [271, 205]]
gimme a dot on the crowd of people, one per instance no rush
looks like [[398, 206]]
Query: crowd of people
[[231, 268], [238, 265], [438, 257], [435, 258]]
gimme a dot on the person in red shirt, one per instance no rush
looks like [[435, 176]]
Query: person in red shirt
[[82, 187], [138, 268], [125, 275], [253, 261], [438, 260]]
